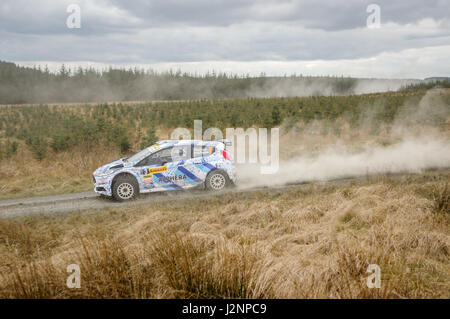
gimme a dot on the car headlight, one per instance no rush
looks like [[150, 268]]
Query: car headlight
[[106, 173]]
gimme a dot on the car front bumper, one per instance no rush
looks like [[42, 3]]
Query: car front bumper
[[102, 185]]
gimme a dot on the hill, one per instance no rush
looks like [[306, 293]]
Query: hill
[[20, 85]]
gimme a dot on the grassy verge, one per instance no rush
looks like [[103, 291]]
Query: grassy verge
[[315, 241], [65, 172]]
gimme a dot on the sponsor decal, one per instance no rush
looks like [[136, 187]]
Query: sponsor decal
[[148, 181], [148, 172], [150, 185], [169, 179], [158, 169], [101, 180]]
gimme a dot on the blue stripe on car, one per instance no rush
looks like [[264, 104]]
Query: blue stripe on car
[[166, 185], [208, 165], [189, 174], [203, 168]]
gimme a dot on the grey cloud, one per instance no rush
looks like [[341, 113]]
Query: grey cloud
[[239, 42], [100, 17], [48, 17], [326, 15], [150, 31]]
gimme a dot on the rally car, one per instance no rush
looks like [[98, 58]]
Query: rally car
[[168, 165]]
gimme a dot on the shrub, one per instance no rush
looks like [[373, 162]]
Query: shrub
[[60, 142], [8, 149], [124, 144], [38, 146], [149, 139], [276, 116]]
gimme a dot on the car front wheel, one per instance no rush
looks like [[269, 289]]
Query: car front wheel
[[125, 188]]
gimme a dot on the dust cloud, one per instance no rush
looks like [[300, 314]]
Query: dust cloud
[[409, 156], [419, 140]]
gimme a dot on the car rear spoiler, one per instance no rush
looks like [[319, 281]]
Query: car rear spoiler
[[225, 141]]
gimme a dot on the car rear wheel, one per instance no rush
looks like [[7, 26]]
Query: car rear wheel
[[217, 181], [125, 188]]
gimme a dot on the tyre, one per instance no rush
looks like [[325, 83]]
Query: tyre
[[125, 188], [217, 181]]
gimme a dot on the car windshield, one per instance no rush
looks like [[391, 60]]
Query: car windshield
[[143, 154]]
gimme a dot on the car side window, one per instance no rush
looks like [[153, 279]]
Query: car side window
[[202, 151], [161, 157], [181, 153]]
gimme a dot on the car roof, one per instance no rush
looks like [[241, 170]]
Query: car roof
[[168, 143]]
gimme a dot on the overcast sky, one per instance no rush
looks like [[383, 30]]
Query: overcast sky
[[238, 36]]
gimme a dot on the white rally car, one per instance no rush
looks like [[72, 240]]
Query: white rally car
[[168, 165]]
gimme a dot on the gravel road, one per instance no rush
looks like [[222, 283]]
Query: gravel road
[[59, 204]]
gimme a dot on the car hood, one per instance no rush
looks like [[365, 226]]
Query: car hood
[[119, 162]]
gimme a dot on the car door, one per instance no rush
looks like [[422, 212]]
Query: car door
[[178, 173], [154, 169], [186, 167]]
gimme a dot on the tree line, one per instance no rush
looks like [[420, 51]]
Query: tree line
[[20, 85], [133, 126]]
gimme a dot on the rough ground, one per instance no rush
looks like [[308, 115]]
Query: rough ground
[[306, 241]]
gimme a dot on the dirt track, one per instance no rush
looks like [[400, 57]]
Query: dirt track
[[89, 200]]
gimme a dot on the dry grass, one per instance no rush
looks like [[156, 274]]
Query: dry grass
[[195, 268], [309, 242], [59, 173], [441, 199]]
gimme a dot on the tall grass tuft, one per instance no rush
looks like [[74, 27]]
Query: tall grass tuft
[[23, 241], [441, 199], [228, 271]]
